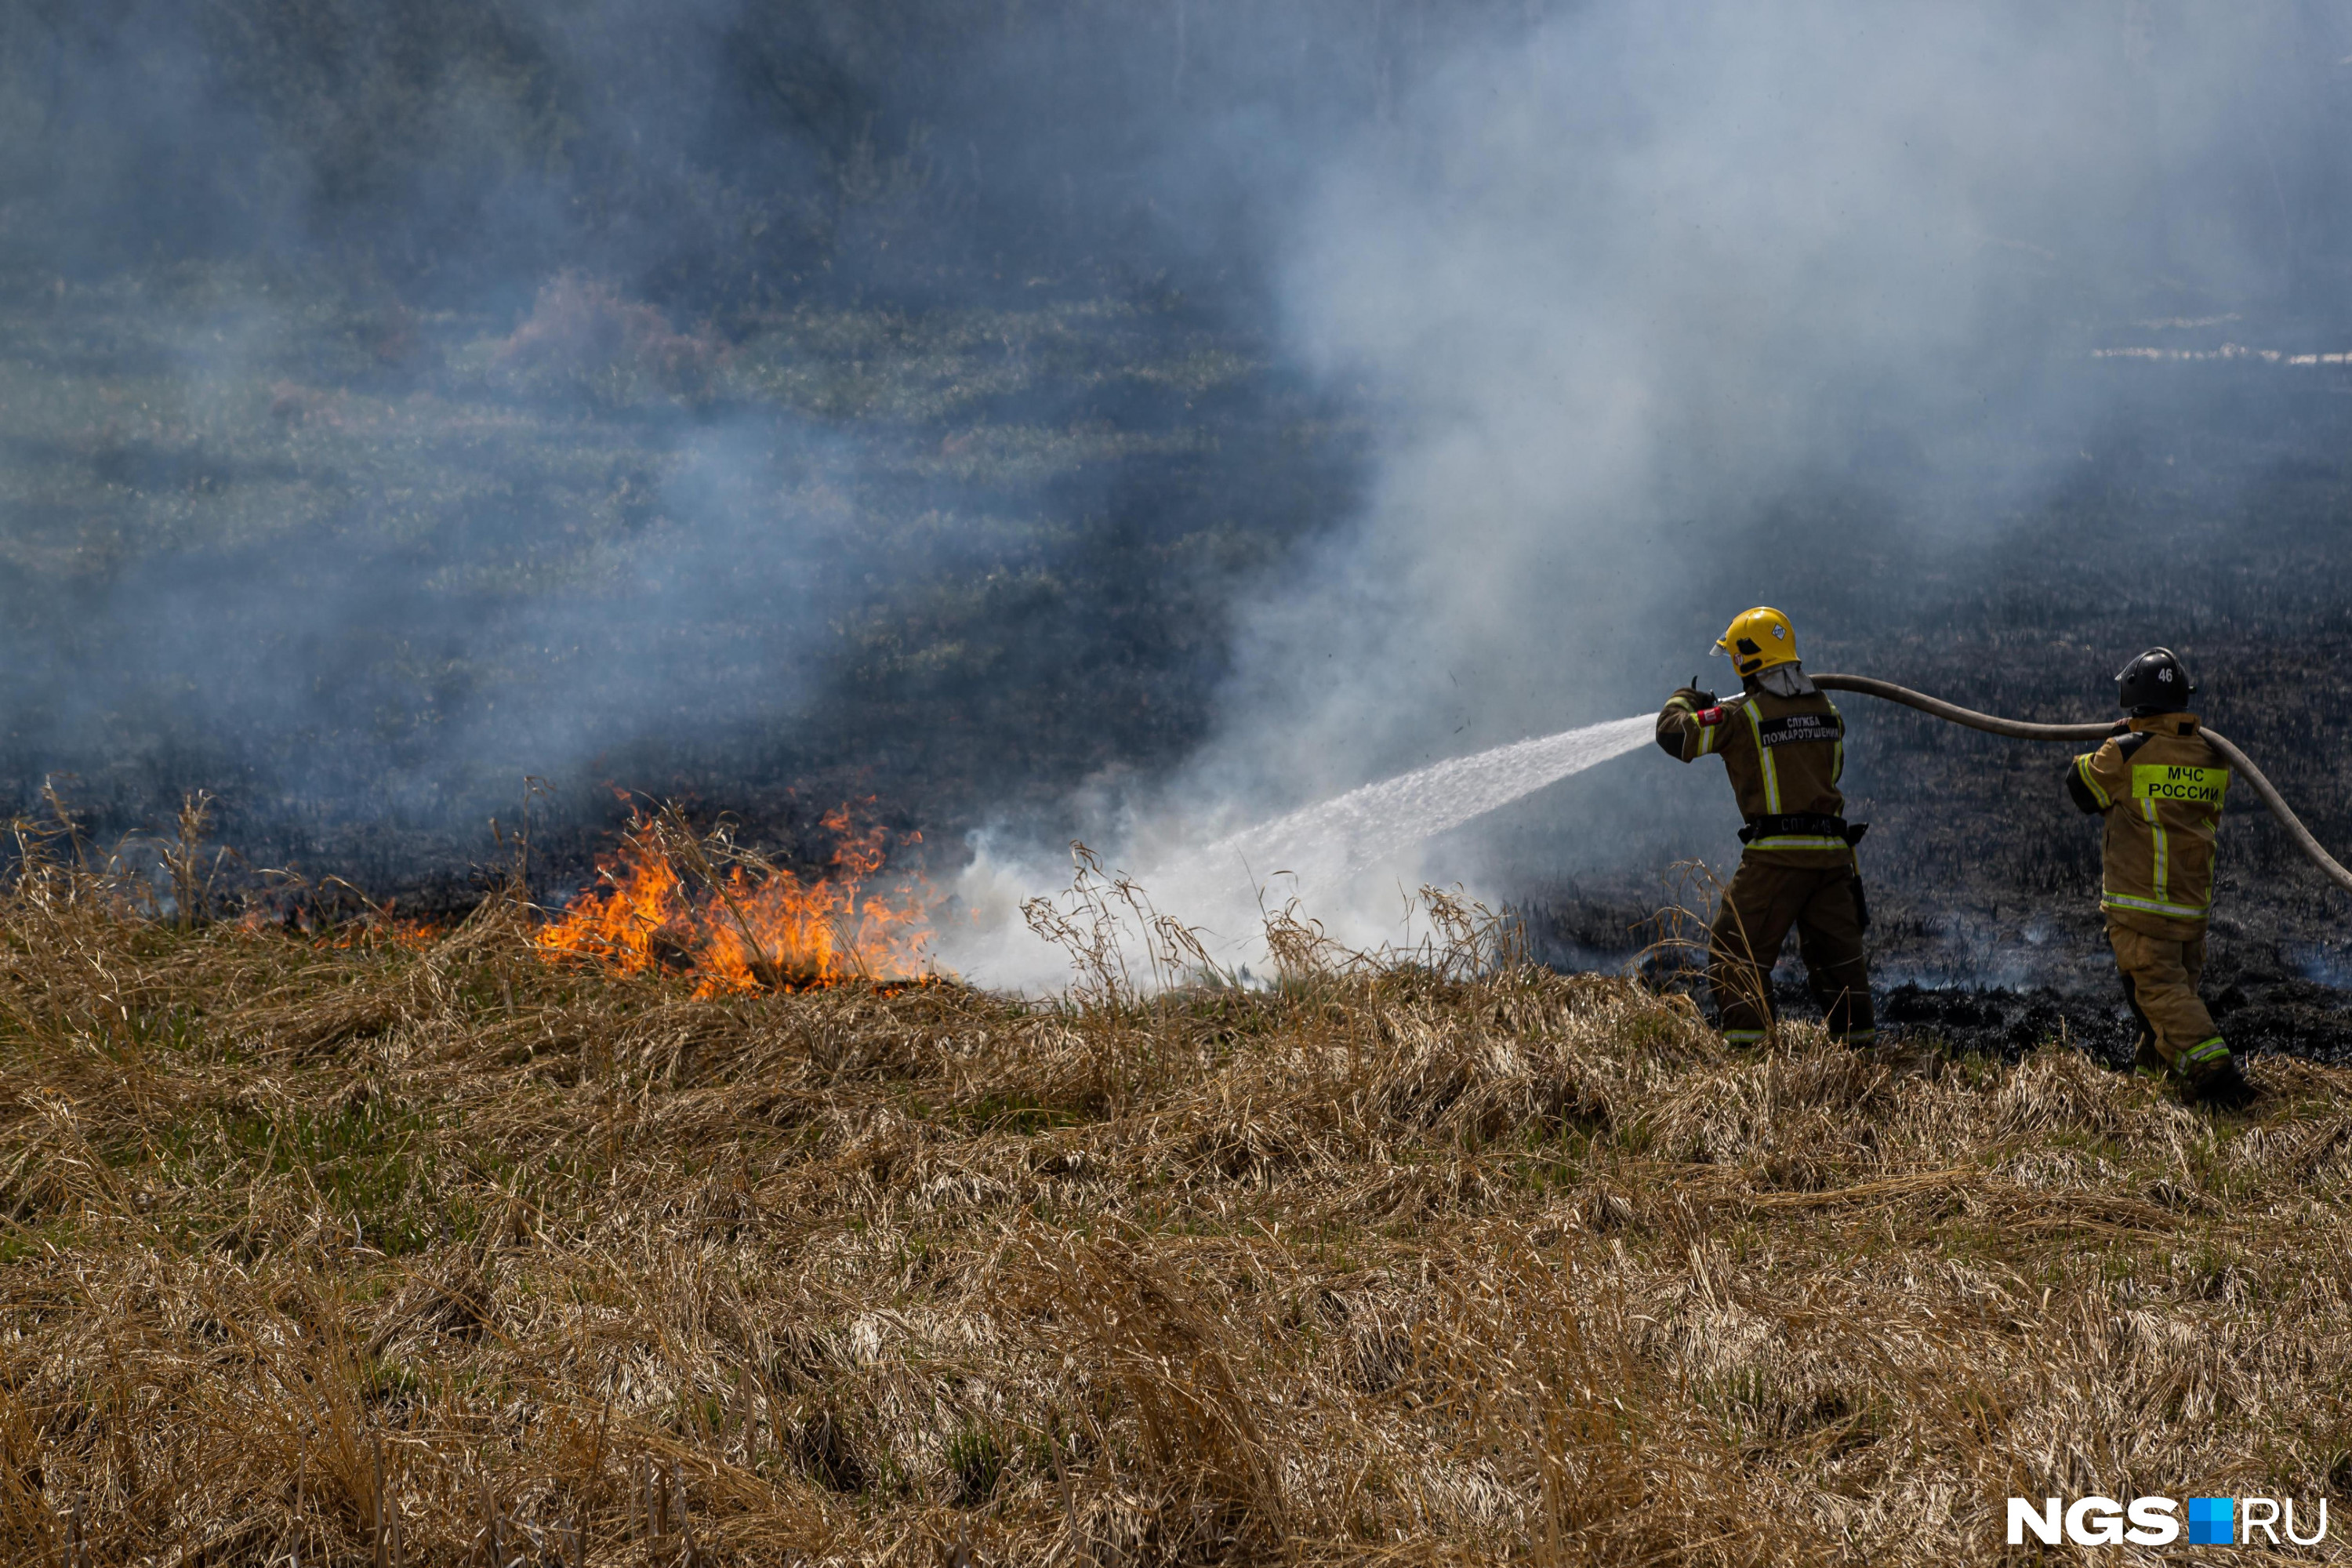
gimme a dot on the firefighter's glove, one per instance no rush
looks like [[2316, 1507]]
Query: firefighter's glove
[[2223, 1089], [1694, 699]]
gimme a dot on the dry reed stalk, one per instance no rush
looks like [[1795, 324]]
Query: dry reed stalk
[[389, 1250]]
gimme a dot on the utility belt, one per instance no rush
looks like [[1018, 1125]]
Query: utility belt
[[1806, 824], [1811, 830]]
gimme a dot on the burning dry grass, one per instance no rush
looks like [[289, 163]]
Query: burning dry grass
[[670, 898], [1389, 1266]]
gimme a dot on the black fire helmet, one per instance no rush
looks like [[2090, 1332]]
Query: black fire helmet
[[2155, 682]]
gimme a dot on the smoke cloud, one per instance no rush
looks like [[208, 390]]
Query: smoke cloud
[[1622, 288], [1660, 313], [1137, 421], [407, 399]]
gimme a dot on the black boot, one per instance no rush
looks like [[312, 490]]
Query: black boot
[[2224, 1088]]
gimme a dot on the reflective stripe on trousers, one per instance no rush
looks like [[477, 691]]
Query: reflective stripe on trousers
[[2206, 1053], [2150, 906]]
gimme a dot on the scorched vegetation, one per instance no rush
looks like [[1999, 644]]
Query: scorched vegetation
[[403, 1250]]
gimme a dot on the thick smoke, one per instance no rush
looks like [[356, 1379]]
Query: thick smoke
[[1665, 312], [1624, 288], [411, 398], [405, 399]]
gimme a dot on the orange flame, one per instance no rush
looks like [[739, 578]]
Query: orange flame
[[774, 931]]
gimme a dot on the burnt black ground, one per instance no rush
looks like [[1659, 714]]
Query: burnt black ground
[[1053, 509], [2267, 994], [2213, 513]]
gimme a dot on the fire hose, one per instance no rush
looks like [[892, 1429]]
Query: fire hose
[[2017, 729]]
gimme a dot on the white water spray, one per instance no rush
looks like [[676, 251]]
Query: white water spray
[[1360, 829], [1321, 851]]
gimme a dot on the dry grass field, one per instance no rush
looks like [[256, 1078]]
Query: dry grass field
[[423, 1248]]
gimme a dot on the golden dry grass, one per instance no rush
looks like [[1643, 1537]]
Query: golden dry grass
[[1384, 1267]]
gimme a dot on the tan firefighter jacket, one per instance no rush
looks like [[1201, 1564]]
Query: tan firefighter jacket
[[2160, 787], [1784, 755]]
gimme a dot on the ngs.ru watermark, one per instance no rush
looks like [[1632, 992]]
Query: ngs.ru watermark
[[2158, 1522]]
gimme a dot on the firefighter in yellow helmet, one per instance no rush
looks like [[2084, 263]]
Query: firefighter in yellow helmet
[[1783, 744], [2160, 786]]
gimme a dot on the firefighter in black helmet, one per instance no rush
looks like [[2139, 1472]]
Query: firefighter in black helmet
[[2160, 786], [1783, 744]]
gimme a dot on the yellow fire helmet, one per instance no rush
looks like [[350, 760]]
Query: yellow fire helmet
[[1757, 639]]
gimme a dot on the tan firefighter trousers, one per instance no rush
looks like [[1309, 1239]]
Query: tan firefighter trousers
[[2160, 983], [1762, 903]]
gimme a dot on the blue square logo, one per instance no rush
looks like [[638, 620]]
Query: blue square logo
[[2211, 1521]]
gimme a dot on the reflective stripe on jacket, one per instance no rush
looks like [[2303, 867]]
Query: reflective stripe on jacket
[[2160, 788], [1784, 756]]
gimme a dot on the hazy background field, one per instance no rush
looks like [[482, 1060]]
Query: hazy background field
[[1129, 418], [1051, 420]]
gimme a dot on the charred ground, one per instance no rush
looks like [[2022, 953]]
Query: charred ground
[[976, 559], [2216, 517], [954, 561]]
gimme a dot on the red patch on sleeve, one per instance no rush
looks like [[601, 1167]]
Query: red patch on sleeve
[[1710, 716]]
